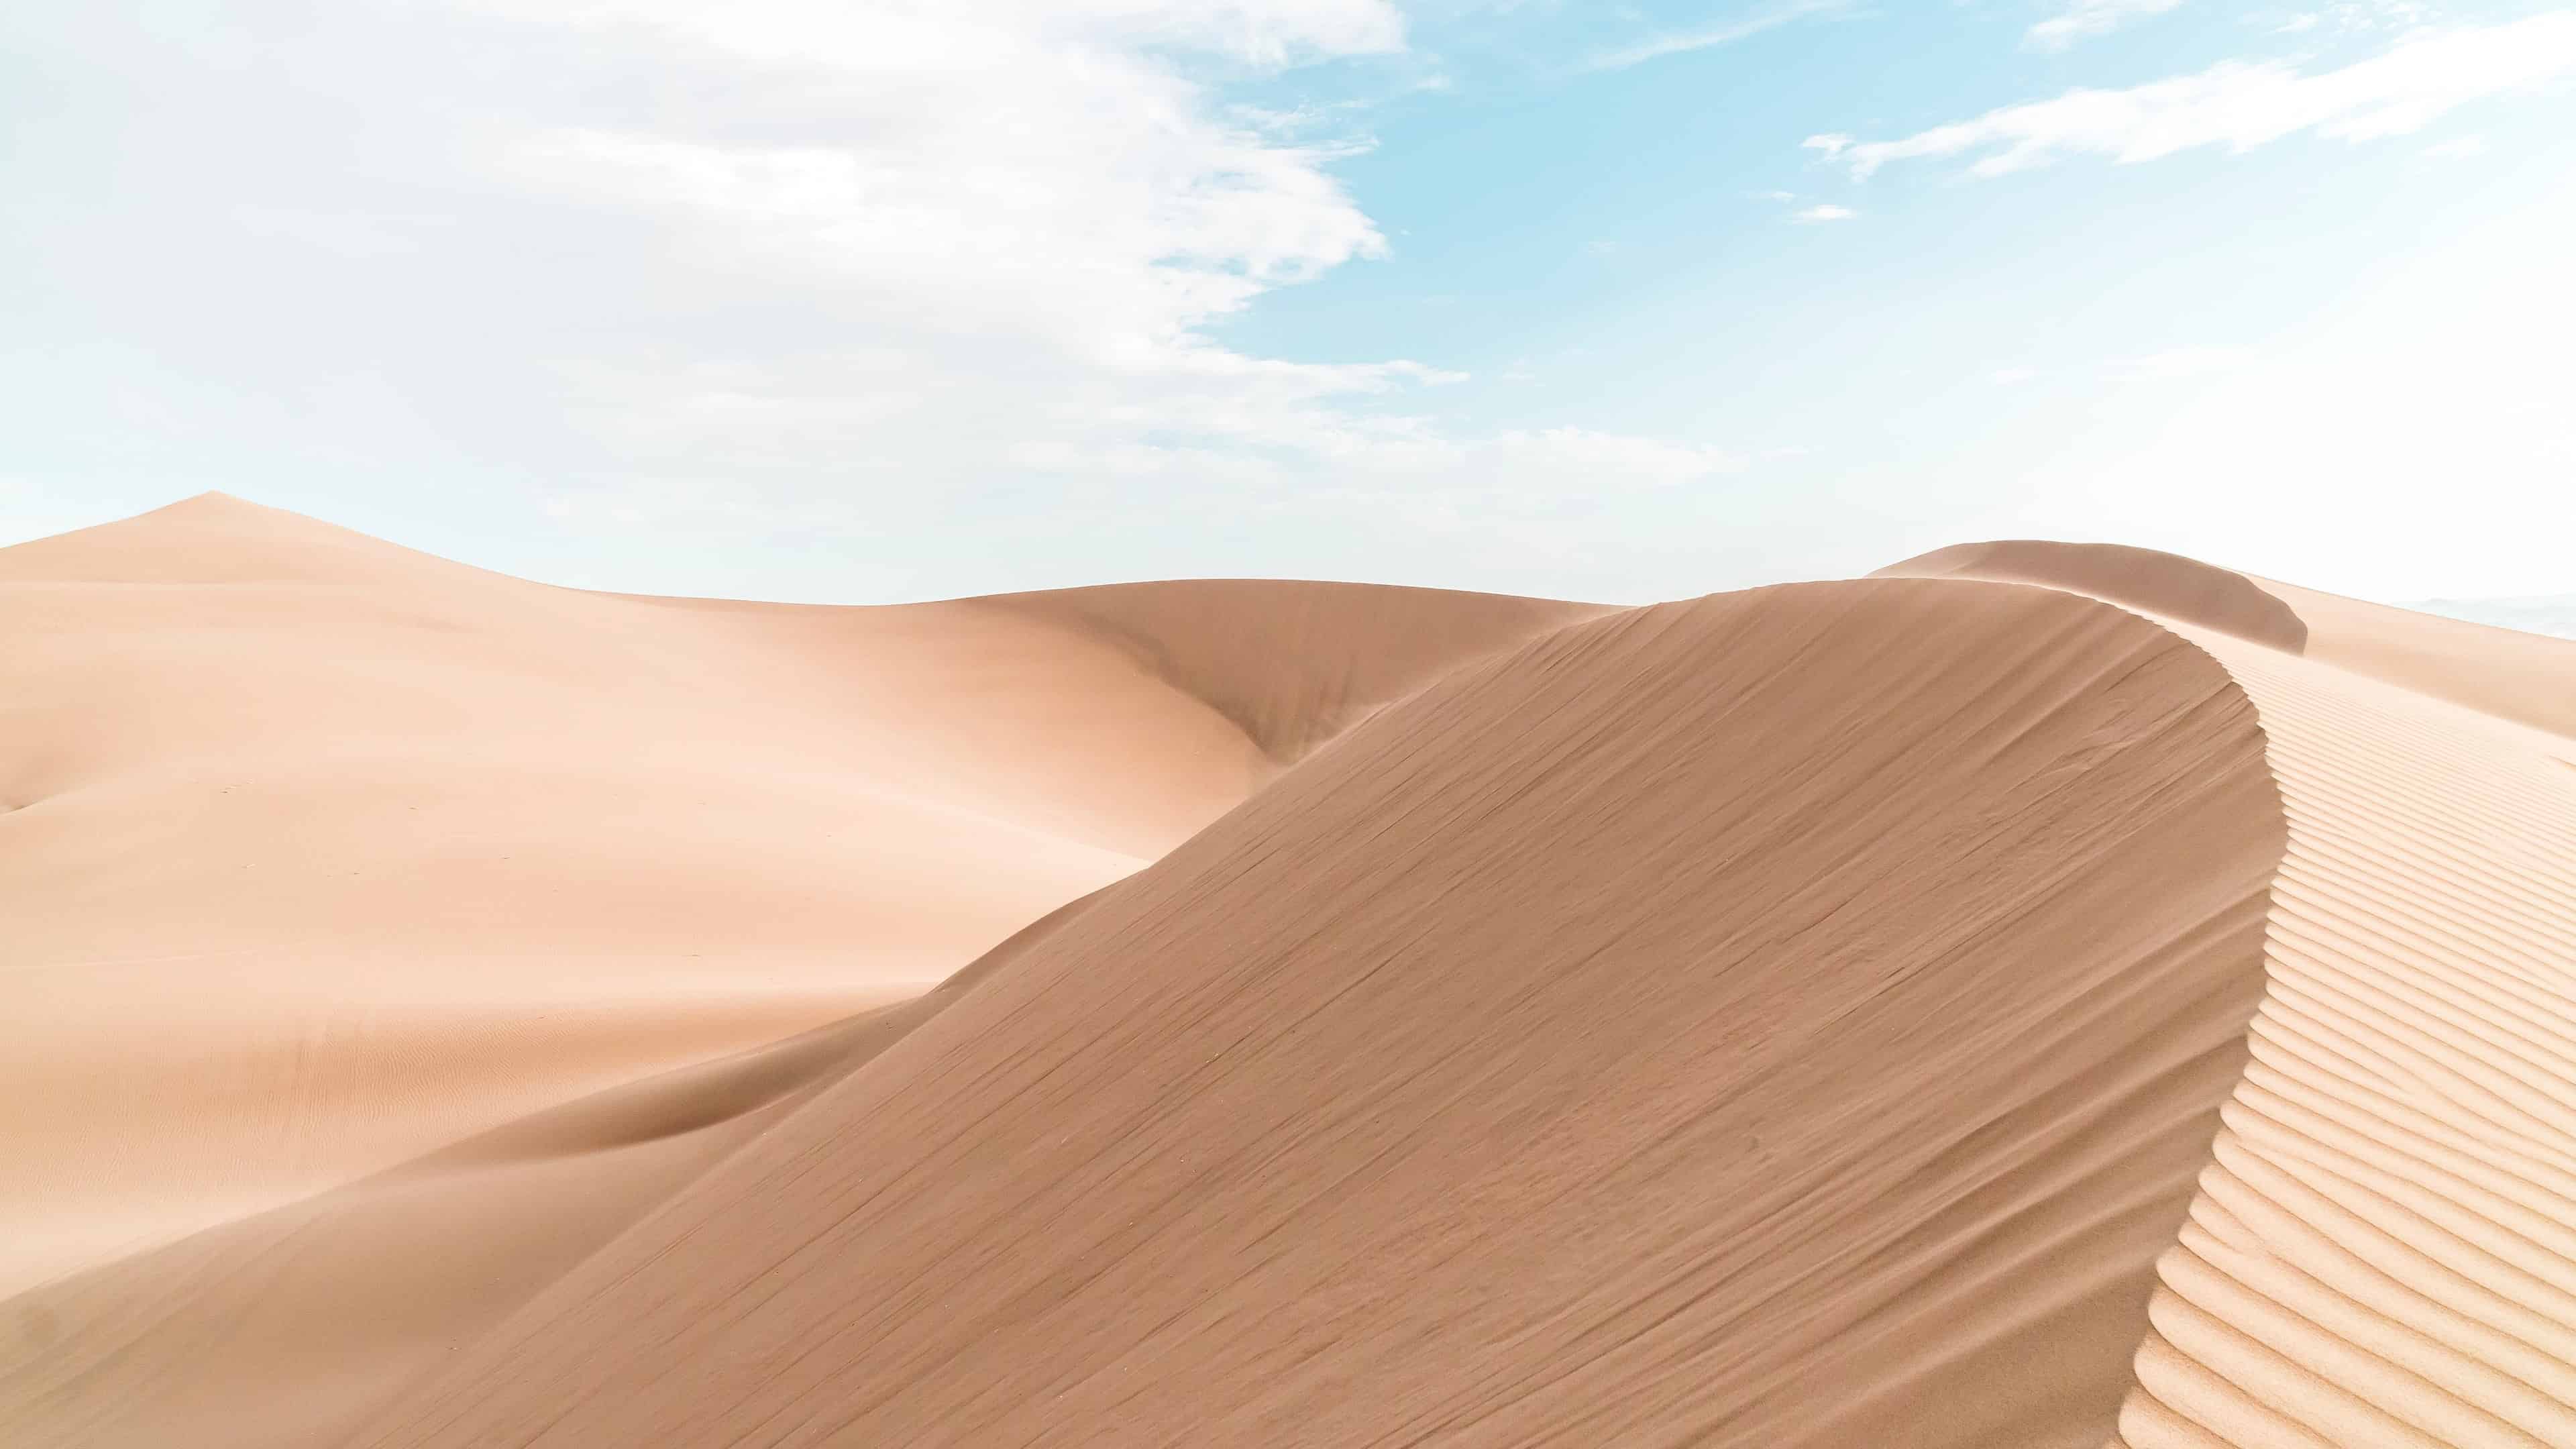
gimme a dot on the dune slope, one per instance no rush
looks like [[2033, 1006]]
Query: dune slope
[[284, 1327], [320, 853], [386, 933], [2383, 1250], [1789, 1017]]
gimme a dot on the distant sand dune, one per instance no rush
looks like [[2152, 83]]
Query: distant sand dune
[[2512, 676], [2166, 585], [1938, 1009], [325, 854]]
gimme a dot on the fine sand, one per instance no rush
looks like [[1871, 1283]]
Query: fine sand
[[2383, 1249], [2048, 995]]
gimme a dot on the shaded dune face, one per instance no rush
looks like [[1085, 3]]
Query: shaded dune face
[[1792, 1017]]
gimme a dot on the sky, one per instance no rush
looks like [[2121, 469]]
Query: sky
[[865, 302]]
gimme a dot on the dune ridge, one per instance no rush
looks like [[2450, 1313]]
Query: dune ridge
[[2160, 585], [2502, 673], [1705, 1022], [2383, 1250]]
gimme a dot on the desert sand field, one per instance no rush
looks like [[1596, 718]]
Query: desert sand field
[[2038, 994]]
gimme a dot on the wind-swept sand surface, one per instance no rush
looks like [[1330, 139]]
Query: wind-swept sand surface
[[2383, 1250], [1935, 1009]]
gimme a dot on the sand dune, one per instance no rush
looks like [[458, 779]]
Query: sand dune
[[1938, 1009], [323, 854], [330, 1304], [1704, 1020]]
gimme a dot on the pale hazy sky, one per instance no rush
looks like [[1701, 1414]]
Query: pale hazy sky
[[862, 301]]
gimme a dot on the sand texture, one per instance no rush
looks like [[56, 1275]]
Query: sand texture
[[2383, 1250], [2046, 994]]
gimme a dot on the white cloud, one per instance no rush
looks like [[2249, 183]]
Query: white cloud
[[2083, 19], [1725, 33], [2460, 148], [797, 263], [1826, 211], [1034, 214], [2014, 376], [985, 168], [2241, 105], [1034, 219]]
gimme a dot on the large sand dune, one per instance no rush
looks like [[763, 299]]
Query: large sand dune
[[1932, 1009]]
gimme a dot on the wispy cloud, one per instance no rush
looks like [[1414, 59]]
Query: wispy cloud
[[1726, 33], [2241, 105], [1825, 212], [2175, 364], [2083, 19]]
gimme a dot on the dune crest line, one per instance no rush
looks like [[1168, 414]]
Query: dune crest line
[[2383, 1249]]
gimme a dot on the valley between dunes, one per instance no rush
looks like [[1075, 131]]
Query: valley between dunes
[[2039, 994]]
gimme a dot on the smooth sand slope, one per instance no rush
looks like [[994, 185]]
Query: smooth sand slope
[[2383, 1251], [1790, 1017], [322, 855], [284, 1327]]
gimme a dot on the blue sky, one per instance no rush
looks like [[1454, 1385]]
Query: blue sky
[[852, 303]]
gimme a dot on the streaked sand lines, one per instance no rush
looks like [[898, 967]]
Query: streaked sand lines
[[2383, 1250]]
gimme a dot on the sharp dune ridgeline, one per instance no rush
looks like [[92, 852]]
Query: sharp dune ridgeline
[[2042, 994]]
